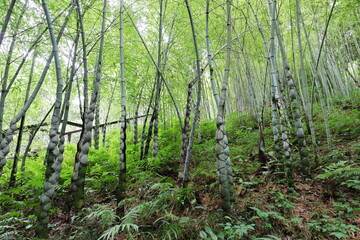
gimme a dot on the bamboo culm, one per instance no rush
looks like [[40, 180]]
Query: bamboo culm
[[5, 143], [53, 165], [78, 178], [121, 188]]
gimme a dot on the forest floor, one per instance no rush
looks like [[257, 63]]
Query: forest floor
[[325, 205]]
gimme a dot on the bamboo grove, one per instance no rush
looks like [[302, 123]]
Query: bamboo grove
[[81, 68]]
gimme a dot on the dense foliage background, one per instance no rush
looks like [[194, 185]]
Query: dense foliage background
[[282, 76]]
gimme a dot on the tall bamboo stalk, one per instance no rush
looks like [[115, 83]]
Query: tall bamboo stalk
[[5, 143], [6, 20], [158, 85], [18, 144], [121, 189], [23, 118], [53, 165], [304, 82], [294, 105], [223, 162], [185, 179], [316, 82], [277, 108], [274, 87], [211, 69], [78, 178]]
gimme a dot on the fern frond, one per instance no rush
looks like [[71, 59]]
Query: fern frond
[[9, 235], [172, 230], [340, 170], [129, 226], [103, 214], [353, 171], [168, 216], [161, 186], [344, 173], [110, 233], [132, 215], [127, 200], [99, 211]]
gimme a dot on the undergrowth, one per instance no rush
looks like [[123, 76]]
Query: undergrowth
[[323, 206]]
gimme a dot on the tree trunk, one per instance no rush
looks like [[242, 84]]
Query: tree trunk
[[294, 107], [81, 162], [2, 101], [158, 86], [277, 108], [5, 143], [223, 161], [135, 141], [304, 83], [211, 69], [6, 20], [23, 118], [121, 189], [107, 115], [53, 165], [185, 179]]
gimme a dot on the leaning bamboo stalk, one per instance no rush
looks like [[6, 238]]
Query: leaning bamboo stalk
[[53, 165]]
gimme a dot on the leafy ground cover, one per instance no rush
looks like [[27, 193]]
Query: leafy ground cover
[[325, 205]]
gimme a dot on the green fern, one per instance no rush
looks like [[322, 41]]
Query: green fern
[[232, 229], [134, 214], [9, 226], [171, 225], [170, 230], [7, 234], [161, 186], [128, 222], [111, 232], [103, 213], [152, 213], [269, 237], [344, 173]]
